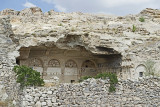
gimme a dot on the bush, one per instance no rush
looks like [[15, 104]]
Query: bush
[[60, 24], [112, 88], [26, 76], [141, 19], [84, 78], [134, 28], [49, 13], [112, 77]]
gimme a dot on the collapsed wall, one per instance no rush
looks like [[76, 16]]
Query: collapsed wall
[[95, 93]]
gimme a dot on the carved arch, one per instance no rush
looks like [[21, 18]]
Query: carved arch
[[71, 64], [53, 63], [141, 65], [88, 64], [35, 62], [140, 69]]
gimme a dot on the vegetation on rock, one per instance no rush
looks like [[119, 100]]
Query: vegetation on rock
[[112, 77], [26, 76], [141, 19], [60, 24], [84, 78], [134, 28], [49, 13]]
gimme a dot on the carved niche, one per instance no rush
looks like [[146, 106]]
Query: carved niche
[[53, 63], [140, 70], [70, 64], [88, 64], [35, 62]]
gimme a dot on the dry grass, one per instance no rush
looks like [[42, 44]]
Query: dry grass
[[3, 104], [49, 84]]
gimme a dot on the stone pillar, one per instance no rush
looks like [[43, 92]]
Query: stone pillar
[[62, 69], [45, 66], [79, 66]]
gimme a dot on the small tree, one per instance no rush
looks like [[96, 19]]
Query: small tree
[[26, 76]]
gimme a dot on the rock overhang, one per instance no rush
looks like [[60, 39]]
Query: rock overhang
[[99, 34]]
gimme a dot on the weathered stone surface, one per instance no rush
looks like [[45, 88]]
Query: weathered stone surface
[[8, 86], [38, 104], [44, 103]]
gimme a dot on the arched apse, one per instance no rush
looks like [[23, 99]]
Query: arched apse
[[53, 69], [71, 71], [140, 70], [88, 68], [36, 64]]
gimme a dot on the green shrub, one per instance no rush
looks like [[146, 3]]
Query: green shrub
[[134, 28], [141, 19], [26, 76], [49, 13], [101, 75], [112, 88], [84, 78], [112, 77], [60, 24]]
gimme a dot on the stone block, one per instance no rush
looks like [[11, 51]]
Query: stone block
[[49, 103], [44, 103], [49, 92], [38, 104], [54, 99]]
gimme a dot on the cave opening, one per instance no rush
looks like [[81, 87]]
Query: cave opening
[[68, 65]]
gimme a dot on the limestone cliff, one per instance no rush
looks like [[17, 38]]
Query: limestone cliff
[[136, 41], [68, 30]]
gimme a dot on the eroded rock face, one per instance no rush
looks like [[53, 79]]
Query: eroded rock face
[[8, 86], [155, 13], [99, 34], [31, 11], [9, 12], [3, 94]]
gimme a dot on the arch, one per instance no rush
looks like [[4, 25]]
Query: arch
[[141, 65], [35, 62], [71, 71], [88, 64], [71, 64], [53, 63], [53, 69], [140, 69], [88, 68]]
